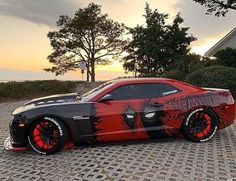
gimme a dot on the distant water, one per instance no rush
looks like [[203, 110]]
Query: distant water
[[5, 81]]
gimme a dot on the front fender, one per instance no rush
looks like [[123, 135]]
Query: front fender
[[72, 115]]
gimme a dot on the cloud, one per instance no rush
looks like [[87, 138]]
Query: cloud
[[47, 11], [38, 11], [202, 25]]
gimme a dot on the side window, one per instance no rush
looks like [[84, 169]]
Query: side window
[[166, 89], [136, 91]]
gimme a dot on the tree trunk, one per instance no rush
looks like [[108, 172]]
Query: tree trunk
[[87, 72], [93, 77], [92, 71]]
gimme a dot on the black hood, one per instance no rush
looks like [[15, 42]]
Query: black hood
[[53, 100], [60, 98]]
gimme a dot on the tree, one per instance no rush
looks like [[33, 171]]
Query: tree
[[89, 36], [156, 47], [186, 65], [191, 63], [226, 57], [219, 7]]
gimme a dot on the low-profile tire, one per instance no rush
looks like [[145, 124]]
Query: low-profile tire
[[200, 125], [47, 135]]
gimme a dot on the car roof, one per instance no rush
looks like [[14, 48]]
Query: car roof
[[184, 87], [141, 80], [145, 80]]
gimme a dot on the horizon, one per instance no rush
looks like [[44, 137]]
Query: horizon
[[25, 46]]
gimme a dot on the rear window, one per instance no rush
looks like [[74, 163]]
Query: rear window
[[166, 89]]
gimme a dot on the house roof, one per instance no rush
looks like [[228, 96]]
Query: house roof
[[220, 43]]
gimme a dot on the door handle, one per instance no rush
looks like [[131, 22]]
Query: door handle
[[156, 104]]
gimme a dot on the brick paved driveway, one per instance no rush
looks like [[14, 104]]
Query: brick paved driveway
[[169, 159]]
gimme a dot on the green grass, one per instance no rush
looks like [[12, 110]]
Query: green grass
[[32, 89]]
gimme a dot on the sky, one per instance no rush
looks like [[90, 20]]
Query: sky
[[24, 45]]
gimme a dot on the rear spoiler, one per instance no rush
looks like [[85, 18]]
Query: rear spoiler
[[221, 90], [215, 89]]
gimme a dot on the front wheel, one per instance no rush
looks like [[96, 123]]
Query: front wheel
[[200, 125], [47, 135]]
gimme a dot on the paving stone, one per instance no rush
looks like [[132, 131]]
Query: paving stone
[[165, 159]]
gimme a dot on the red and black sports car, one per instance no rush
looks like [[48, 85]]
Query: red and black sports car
[[125, 109]]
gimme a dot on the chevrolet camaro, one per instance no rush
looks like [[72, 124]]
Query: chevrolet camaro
[[121, 110]]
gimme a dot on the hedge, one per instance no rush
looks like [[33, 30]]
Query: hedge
[[174, 74], [30, 89], [214, 77]]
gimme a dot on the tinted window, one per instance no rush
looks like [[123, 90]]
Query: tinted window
[[89, 95], [166, 89], [136, 91]]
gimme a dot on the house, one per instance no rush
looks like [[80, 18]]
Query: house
[[228, 41]]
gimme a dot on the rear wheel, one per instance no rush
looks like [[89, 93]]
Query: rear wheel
[[200, 125], [47, 135]]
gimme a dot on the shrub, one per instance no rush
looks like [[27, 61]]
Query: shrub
[[148, 75], [174, 74], [214, 76], [226, 57], [31, 89]]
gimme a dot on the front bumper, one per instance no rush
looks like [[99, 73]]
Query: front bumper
[[18, 138], [9, 146]]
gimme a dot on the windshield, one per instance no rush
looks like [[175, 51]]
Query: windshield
[[90, 94]]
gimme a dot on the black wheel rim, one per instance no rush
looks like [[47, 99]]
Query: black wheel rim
[[45, 135], [200, 125]]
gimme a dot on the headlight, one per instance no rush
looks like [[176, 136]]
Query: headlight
[[18, 121]]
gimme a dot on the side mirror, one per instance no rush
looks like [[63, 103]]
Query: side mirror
[[105, 98]]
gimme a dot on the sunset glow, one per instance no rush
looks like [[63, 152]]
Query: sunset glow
[[24, 44]]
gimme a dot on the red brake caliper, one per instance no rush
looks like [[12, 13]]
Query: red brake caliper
[[37, 138], [46, 145], [208, 127]]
